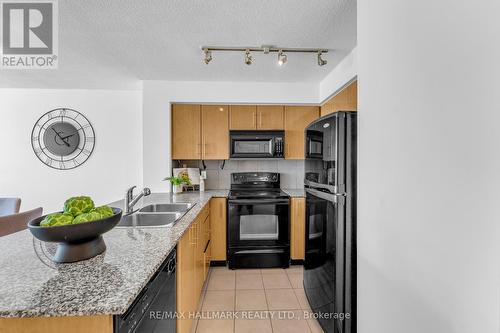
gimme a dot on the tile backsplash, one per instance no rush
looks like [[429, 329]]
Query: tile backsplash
[[291, 171]]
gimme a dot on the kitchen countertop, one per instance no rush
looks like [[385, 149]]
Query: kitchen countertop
[[295, 192], [31, 285]]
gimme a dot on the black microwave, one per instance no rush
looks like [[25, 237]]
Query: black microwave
[[257, 144]]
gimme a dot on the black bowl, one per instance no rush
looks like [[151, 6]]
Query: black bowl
[[76, 241]]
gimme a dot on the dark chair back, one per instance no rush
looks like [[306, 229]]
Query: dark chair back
[[10, 224], [9, 206]]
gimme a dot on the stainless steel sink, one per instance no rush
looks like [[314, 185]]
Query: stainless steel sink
[[149, 220], [166, 208]]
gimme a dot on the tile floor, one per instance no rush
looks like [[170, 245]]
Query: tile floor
[[255, 300]]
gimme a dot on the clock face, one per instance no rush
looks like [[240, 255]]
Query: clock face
[[63, 138]]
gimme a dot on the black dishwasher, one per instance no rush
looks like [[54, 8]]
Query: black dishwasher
[[154, 308]]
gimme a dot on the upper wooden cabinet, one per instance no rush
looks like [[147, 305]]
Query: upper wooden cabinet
[[296, 120], [252, 117], [345, 100], [215, 132], [270, 117], [186, 132], [242, 117]]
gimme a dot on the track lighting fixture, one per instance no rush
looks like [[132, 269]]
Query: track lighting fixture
[[208, 56], [282, 58], [321, 62], [266, 49], [248, 57]]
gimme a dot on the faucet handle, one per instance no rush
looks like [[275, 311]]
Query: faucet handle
[[147, 191], [130, 192]]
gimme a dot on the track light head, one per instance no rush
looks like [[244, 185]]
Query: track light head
[[321, 62], [208, 56], [282, 58], [248, 57]]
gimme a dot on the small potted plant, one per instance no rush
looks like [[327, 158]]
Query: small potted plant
[[178, 181]]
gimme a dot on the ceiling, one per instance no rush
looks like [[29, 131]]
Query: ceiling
[[115, 44]]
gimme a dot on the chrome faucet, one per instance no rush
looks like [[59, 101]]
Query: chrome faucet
[[130, 201]]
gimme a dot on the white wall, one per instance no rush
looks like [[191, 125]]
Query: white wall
[[115, 164], [429, 169], [342, 74], [158, 95]]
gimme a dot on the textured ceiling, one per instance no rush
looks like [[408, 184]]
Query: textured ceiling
[[117, 43]]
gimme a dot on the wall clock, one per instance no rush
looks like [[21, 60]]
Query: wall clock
[[63, 139]]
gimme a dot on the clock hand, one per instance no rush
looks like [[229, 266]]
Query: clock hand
[[60, 137], [68, 136]]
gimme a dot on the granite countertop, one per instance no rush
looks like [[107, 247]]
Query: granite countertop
[[31, 285], [295, 192]]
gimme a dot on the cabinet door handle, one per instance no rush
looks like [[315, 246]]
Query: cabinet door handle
[[192, 240], [260, 120]]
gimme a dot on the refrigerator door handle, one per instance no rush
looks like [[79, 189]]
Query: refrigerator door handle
[[333, 197], [311, 184]]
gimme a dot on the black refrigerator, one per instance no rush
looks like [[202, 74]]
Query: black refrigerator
[[330, 187]]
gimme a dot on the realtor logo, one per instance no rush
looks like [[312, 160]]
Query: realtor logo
[[28, 34]]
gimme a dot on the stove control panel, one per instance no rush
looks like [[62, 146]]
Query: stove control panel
[[254, 177]]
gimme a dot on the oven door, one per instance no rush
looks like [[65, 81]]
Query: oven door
[[258, 222]]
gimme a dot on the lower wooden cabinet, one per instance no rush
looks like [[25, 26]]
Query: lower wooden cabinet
[[298, 228], [191, 268], [218, 222]]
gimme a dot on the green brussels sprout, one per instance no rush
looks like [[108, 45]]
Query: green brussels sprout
[[78, 205], [105, 211], [56, 219], [87, 217]]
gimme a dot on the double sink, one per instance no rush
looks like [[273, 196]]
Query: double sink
[[156, 215]]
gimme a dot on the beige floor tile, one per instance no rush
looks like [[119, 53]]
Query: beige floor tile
[[249, 281], [221, 281], [246, 271], [215, 326], [294, 325], [281, 299], [219, 300], [221, 271], [272, 271], [276, 281], [252, 326], [302, 298], [251, 300], [314, 326], [295, 280], [295, 269]]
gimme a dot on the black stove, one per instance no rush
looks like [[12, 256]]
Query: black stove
[[258, 194], [258, 221]]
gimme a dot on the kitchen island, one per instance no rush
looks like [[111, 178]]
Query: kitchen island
[[36, 292], [90, 291]]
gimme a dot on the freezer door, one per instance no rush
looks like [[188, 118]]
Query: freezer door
[[320, 151]]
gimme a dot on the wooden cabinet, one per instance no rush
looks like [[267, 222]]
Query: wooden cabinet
[[186, 132], [191, 268], [298, 229], [252, 117], [215, 132], [345, 100], [270, 117], [218, 224], [80, 324], [296, 120], [242, 117], [185, 270]]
